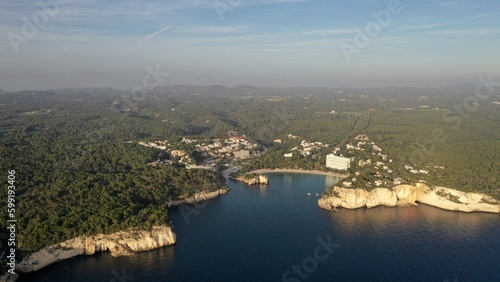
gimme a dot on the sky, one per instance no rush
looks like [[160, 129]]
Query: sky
[[51, 44]]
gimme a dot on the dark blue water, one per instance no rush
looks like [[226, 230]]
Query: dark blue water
[[258, 234]]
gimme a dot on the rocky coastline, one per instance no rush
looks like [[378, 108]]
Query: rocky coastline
[[197, 197], [258, 179], [120, 243], [402, 195]]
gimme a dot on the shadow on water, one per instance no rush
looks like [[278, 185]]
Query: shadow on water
[[104, 267]]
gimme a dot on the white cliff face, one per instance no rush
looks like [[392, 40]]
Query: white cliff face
[[453, 200], [441, 197], [381, 197], [263, 179], [357, 198], [119, 244], [407, 194]]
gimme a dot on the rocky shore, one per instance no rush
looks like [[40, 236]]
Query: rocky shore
[[120, 243], [440, 197], [198, 197], [258, 179]]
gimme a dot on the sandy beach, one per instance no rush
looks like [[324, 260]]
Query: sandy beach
[[287, 170]]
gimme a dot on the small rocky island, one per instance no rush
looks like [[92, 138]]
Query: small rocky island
[[252, 178]]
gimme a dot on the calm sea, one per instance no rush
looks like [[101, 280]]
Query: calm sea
[[277, 232]]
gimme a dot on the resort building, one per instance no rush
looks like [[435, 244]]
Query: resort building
[[336, 162]]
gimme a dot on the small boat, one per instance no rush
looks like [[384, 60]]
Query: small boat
[[308, 194], [317, 195]]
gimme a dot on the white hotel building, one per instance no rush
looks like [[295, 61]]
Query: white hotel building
[[336, 162]]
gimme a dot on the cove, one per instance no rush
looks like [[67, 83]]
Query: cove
[[260, 233]]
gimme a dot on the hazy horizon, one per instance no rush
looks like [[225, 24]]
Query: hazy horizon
[[465, 84], [54, 44]]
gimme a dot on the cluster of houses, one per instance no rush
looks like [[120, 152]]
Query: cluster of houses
[[367, 155], [290, 136], [212, 151], [305, 148], [415, 171], [376, 160], [237, 147]]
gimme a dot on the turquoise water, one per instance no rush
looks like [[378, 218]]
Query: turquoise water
[[260, 233]]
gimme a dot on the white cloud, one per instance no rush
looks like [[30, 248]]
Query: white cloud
[[435, 25], [465, 32]]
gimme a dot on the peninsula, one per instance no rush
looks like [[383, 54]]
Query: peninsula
[[403, 195], [121, 243]]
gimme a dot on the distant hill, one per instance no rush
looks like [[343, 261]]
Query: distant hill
[[100, 93], [210, 90]]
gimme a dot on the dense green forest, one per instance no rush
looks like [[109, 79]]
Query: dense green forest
[[470, 153], [80, 170], [77, 173]]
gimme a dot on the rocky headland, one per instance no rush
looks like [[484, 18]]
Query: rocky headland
[[120, 243], [401, 195], [198, 197]]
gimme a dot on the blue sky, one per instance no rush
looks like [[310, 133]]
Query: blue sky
[[85, 43]]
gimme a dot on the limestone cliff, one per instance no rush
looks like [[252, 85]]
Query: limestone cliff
[[407, 194], [441, 197], [357, 198], [118, 244], [198, 197], [258, 179], [453, 200]]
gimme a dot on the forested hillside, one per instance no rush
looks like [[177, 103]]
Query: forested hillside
[[77, 174], [79, 169]]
